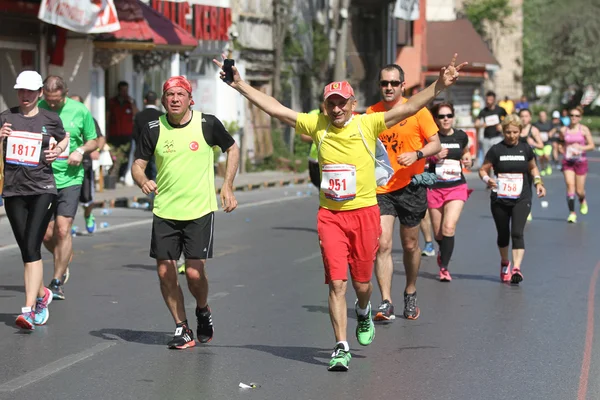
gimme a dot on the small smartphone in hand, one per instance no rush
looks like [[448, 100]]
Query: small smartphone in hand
[[227, 64]]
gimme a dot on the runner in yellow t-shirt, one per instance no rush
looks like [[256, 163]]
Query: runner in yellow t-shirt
[[348, 217]]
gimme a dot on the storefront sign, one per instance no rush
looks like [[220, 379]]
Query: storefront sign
[[207, 22], [85, 16], [407, 10]]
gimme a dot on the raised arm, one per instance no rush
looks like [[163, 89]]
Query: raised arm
[[268, 104], [448, 76]]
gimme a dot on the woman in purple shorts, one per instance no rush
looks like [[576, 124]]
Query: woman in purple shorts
[[447, 196], [574, 141]]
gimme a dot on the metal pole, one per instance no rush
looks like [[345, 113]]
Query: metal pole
[[339, 73]]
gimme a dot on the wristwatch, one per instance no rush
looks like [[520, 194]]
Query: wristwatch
[[419, 154], [80, 151]]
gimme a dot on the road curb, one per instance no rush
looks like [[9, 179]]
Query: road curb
[[127, 201]]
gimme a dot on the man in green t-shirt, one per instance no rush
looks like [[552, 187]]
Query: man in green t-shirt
[[181, 143], [68, 173]]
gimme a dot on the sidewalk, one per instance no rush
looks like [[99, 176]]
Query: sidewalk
[[123, 195]]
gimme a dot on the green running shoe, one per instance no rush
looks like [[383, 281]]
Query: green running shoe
[[181, 269], [583, 208], [365, 330], [340, 359], [90, 223]]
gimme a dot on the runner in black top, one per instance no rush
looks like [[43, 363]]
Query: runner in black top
[[447, 196], [529, 135], [514, 165], [544, 126], [29, 137]]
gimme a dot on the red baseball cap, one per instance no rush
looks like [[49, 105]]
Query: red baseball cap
[[340, 88]]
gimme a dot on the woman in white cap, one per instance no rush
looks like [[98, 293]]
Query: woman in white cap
[[29, 137]]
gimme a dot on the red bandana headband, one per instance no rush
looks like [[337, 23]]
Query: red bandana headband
[[178, 81]]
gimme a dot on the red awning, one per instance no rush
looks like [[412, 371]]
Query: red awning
[[143, 28], [166, 34], [447, 37]]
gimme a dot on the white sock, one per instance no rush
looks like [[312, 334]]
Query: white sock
[[363, 312], [345, 344]]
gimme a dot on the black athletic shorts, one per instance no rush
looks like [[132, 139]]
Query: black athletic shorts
[[409, 204], [67, 201], [86, 196], [315, 174], [171, 237]]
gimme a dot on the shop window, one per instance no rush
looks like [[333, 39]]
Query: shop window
[[406, 31]]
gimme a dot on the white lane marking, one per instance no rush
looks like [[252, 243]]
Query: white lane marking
[[53, 368], [218, 295], [147, 221], [307, 258], [9, 247]]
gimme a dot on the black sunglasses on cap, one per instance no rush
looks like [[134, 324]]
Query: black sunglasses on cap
[[444, 116], [393, 83]]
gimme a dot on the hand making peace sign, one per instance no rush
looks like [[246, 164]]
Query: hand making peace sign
[[449, 74]]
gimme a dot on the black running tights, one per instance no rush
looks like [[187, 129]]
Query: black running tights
[[29, 217], [510, 222]]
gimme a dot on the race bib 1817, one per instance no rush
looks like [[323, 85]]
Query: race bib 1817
[[24, 148]]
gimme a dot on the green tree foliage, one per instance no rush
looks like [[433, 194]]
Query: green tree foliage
[[561, 44], [483, 12]]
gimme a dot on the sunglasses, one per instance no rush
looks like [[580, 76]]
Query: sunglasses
[[575, 115], [444, 116], [393, 83]]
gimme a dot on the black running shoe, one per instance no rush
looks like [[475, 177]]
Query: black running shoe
[[205, 325], [182, 339], [385, 312], [56, 288], [411, 310]]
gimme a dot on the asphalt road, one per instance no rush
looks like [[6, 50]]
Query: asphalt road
[[476, 338]]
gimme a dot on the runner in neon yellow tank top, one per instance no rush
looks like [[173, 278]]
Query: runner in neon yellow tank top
[[348, 218], [182, 143]]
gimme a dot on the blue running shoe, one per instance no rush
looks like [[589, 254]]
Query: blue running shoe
[[428, 250], [56, 287], [25, 320], [41, 313], [90, 223]]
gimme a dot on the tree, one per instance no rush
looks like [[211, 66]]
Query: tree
[[561, 43], [485, 13], [281, 22]]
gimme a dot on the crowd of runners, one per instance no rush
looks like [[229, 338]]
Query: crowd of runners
[[399, 160]]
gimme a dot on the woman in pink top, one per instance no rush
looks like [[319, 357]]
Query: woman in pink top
[[574, 141]]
